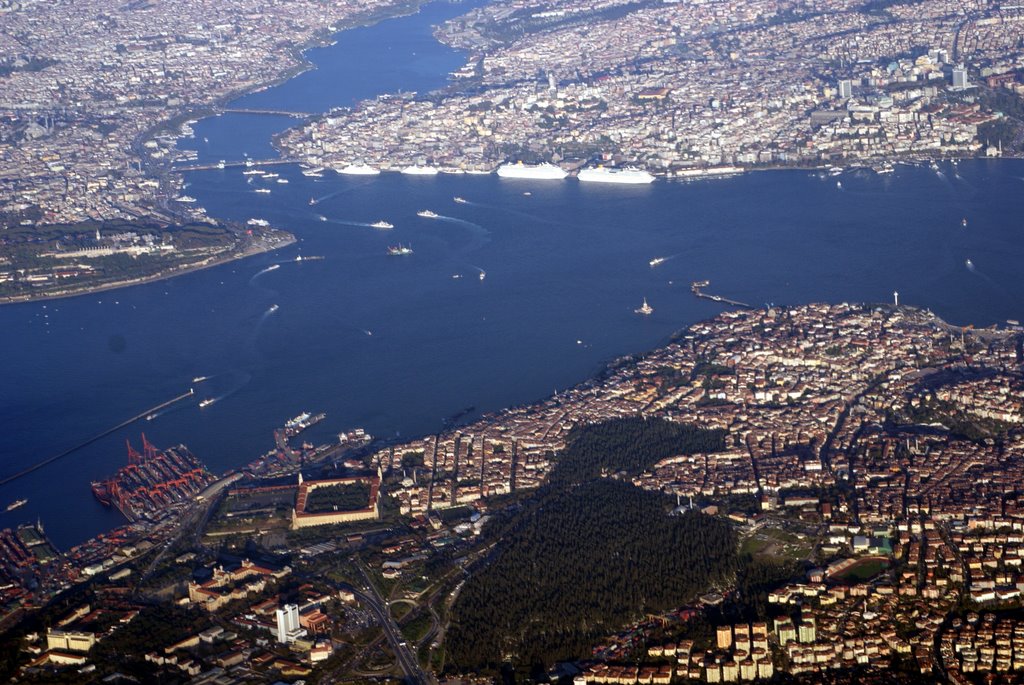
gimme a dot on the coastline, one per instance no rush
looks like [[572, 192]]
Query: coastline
[[251, 251], [321, 39]]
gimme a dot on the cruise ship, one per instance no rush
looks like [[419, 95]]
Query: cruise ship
[[382, 224], [612, 175], [359, 170], [427, 214], [398, 250], [416, 170], [538, 171]]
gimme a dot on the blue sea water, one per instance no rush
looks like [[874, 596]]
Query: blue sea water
[[396, 344]]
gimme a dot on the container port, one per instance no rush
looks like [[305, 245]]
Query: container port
[[153, 482]]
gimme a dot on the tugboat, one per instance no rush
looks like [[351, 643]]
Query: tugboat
[[645, 309], [398, 250]]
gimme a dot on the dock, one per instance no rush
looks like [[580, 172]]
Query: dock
[[697, 288]]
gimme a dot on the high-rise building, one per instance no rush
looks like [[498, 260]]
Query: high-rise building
[[288, 628], [960, 78], [845, 89]]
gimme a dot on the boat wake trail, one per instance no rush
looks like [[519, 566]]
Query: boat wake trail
[[336, 193], [259, 273], [988, 279]]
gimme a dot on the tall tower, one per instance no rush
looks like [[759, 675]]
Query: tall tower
[[895, 298]]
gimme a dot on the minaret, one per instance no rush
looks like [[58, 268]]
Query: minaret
[[895, 298]]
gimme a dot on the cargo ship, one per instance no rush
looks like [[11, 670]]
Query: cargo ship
[[544, 171], [398, 250], [16, 503], [382, 224], [415, 170], [359, 170], [427, 214], [603, 174]]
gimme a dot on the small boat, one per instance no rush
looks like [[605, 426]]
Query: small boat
[[16, 503], [322, 217], [399, 250], [963, 222], [483, 274], [150, 417], [460, 200], [969, 264], [206, 403], [656, 261], [382, 224], [312, 201], [644, 309], [427, 214], [839, 184], [282, 180], [273, 308]]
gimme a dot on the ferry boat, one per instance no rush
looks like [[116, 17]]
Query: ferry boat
[[207, 402], [273, 308], [16, 503], [270, 175], [200, 379], [460, 200], [150, 417], [656, 261], [282, 180], [382, 224], [258, 222], [265, 191], [603, 174], [544, 171], [416, 170], [427, 214], [644, 309], [359, 170], [398, 250], [253, 172]]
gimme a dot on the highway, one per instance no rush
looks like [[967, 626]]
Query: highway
[[414, 675]]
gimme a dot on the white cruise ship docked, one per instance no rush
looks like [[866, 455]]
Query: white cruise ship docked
[[520, 170], [359, 170], [416, 170], [612, 175]]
